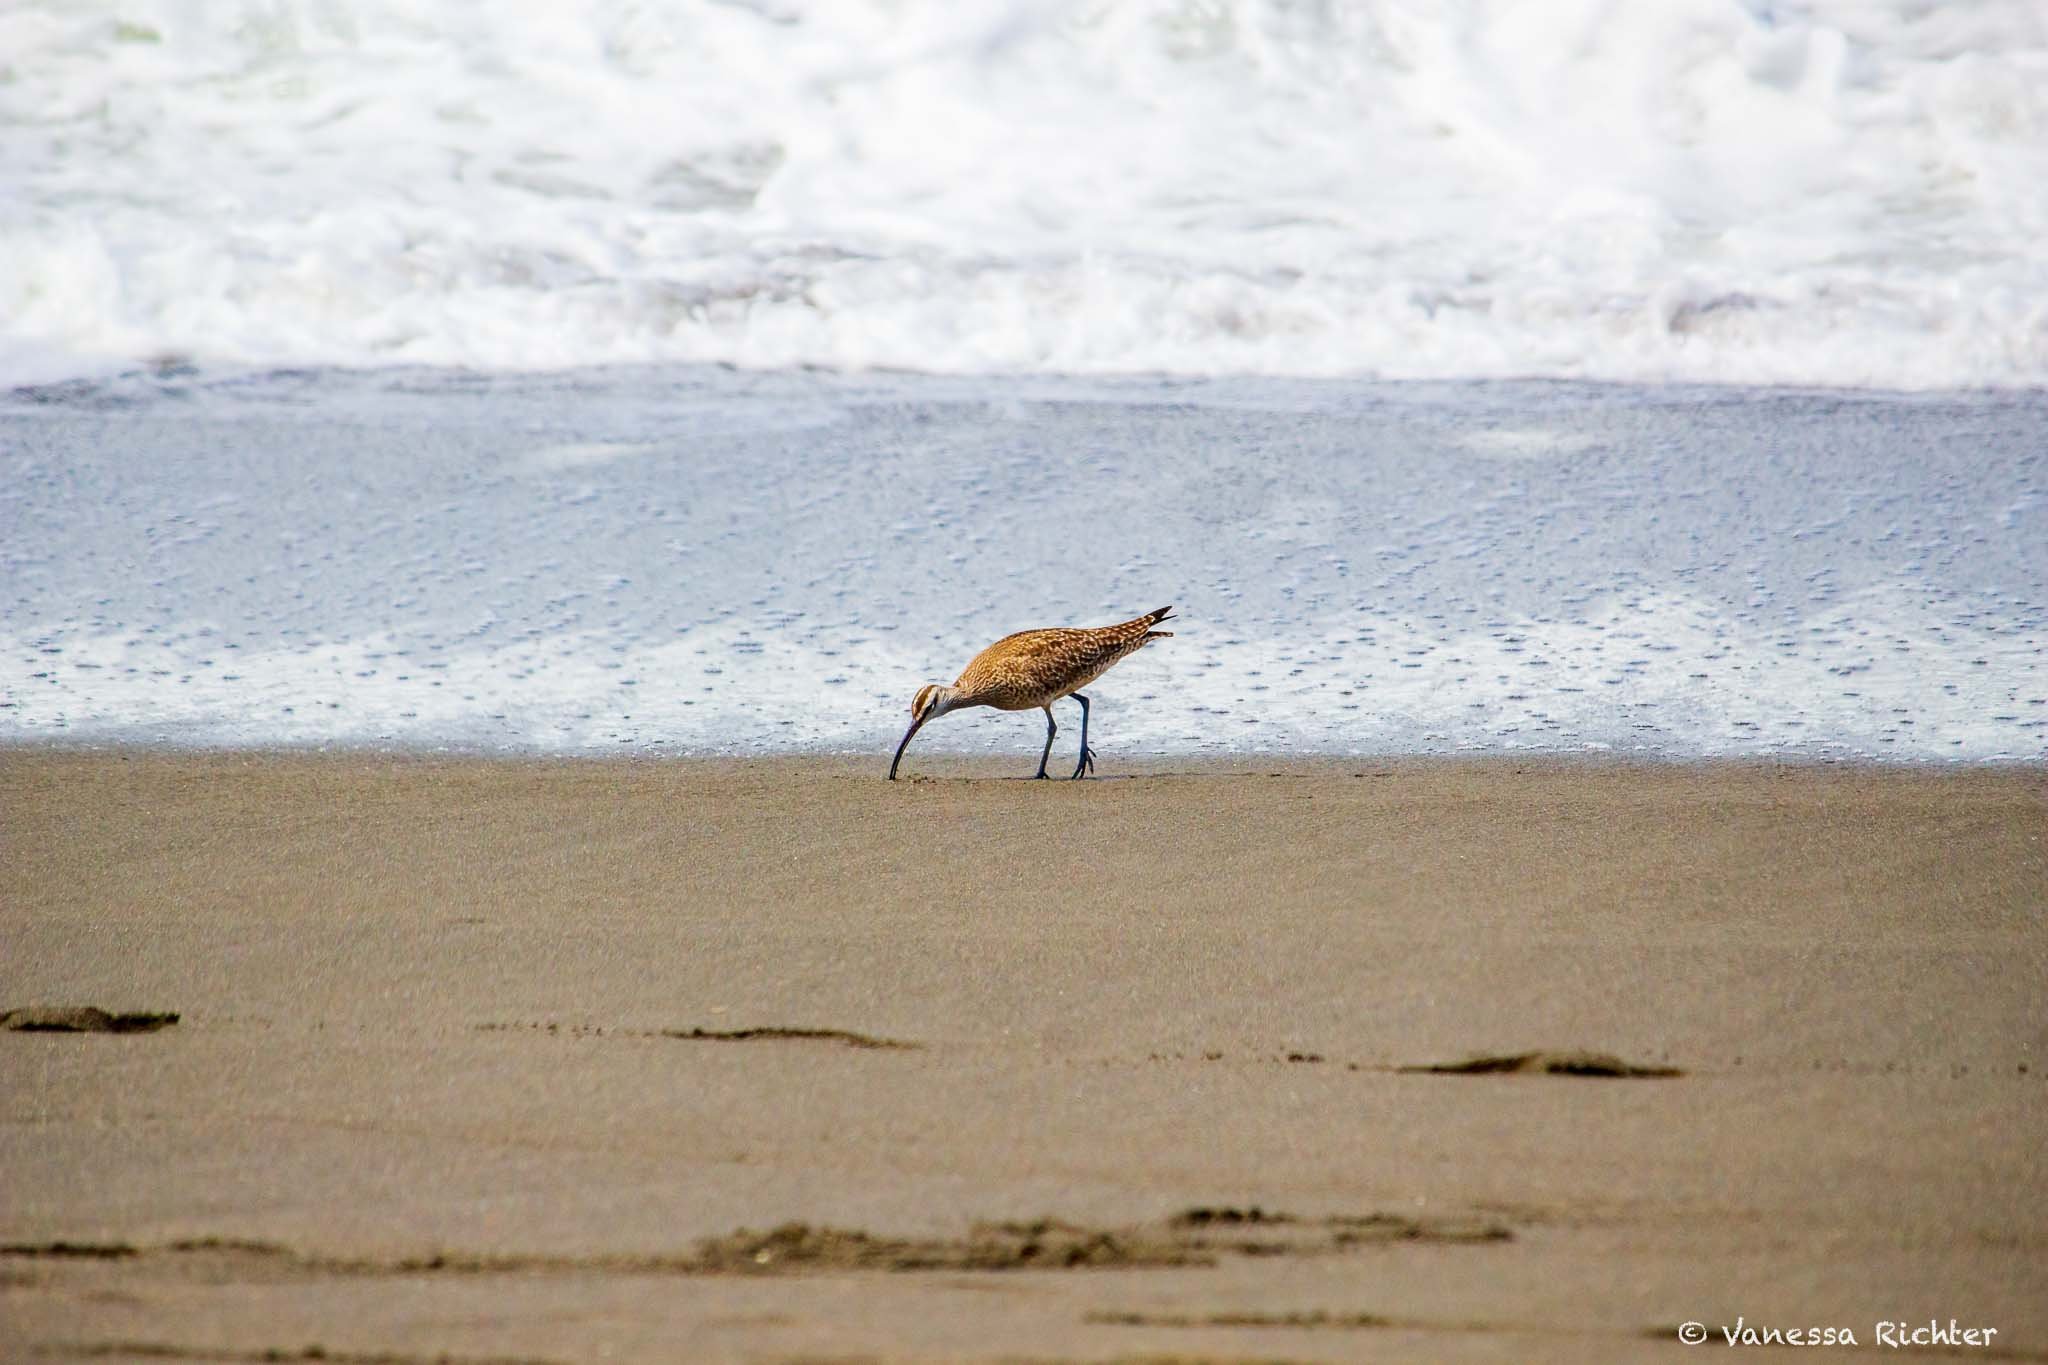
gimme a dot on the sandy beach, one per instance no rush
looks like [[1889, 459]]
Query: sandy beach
[[546, 1060]]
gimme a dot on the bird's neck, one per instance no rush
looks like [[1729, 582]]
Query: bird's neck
[[957, 699]]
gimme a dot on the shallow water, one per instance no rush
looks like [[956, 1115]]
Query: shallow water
[[714, 561]]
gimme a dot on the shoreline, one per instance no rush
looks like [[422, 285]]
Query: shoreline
[[989, 763], [1141, 384]]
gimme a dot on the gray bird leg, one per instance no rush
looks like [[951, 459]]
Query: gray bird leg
[[1050, 730], [1087, 763]]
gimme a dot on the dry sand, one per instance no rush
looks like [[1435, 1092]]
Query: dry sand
[[522, 1060]]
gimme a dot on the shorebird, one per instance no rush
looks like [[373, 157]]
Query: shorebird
[[1036, 668]]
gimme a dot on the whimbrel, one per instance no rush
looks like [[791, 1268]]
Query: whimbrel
[[1036, 668]]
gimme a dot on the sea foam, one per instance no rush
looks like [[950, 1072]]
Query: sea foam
[[1842, 192]]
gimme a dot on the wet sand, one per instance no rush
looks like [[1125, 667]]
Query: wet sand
[[543, 1060]]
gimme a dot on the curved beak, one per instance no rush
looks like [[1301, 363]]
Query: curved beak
[[915, 726]]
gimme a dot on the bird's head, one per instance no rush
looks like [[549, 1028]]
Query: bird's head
[[931, 700]]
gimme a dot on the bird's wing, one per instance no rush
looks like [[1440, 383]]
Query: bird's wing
[[1025, 668], [1027, 659]]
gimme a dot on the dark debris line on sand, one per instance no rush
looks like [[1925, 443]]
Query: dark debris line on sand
[[765, 1033], [75, 1251], [1309, 1319], [163, 1350], [1543, 1064], [772, 1033], [1196, 1237], [81, 1019]]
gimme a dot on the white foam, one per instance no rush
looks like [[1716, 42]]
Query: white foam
[[582, 454], [1523, 443], [1884, 679], [1846, 192]]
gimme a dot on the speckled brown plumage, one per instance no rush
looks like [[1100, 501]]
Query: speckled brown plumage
[[1035, 668], [1038, 667]]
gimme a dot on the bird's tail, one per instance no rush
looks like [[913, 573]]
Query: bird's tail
[[1153, 618]]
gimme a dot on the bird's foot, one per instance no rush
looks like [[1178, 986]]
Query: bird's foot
[[1086, 765], [1041, 774]]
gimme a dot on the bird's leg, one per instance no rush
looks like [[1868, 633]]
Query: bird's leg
[[1050, 730], [1087, 763]]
